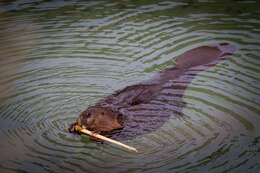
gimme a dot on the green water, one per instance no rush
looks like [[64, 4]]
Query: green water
[[58, 57]]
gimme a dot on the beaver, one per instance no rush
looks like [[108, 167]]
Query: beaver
[[145, 106]]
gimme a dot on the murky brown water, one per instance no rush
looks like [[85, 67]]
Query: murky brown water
[[59, 57]]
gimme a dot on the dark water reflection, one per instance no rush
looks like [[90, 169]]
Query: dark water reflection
[[58, 57]]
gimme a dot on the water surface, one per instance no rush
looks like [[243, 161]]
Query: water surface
[[59, 57]]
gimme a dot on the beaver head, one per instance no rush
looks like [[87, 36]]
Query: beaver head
[[99, 119]]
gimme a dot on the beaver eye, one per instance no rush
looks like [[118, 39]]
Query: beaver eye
[[89, 114], [102, 113]]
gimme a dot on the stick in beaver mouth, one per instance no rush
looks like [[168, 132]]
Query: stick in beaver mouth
[[98, 136], [143, 107]]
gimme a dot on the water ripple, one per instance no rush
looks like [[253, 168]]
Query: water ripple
[[59, 57]]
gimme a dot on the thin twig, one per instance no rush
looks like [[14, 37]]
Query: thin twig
[[96, 135]]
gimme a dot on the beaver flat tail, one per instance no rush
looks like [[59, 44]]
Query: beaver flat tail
[[204, 55]]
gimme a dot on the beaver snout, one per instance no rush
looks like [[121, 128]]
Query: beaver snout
[[72, 128], [86, 119], [99, 119]]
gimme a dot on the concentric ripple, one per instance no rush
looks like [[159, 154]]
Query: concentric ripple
[[59, 57]]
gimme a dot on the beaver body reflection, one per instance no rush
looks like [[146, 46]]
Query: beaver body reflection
[[145, 106]]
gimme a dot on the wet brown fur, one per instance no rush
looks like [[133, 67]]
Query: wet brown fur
[[117, 110]]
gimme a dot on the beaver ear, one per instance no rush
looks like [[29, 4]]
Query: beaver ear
[[120, 118]]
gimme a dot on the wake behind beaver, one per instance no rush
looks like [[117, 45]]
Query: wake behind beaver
[[144, 107]]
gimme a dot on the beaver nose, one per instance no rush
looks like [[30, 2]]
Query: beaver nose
[[79, 121], [71, 128]]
